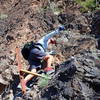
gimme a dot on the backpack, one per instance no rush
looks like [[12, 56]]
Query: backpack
[[27, 48]]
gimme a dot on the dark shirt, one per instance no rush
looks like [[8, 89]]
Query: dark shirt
[[35, 57]]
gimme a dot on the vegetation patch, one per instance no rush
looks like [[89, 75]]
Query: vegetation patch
[[43, 81], [3, 16], [88, 5]]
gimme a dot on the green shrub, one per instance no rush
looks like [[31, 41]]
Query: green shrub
[[3, 16], [88, 5], [43, 81]]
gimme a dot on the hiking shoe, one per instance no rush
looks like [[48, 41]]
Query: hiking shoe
[[49, 70]]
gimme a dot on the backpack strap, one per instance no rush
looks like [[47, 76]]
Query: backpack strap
[[38, 44]]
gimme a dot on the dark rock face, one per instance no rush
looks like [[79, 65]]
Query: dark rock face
[[98, 44], [96, 27], [58, 86], [96, 23], [82, 87]]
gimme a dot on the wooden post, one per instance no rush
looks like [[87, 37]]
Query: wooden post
[[18, 58]]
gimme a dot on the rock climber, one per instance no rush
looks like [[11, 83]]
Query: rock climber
[[37, 55]]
